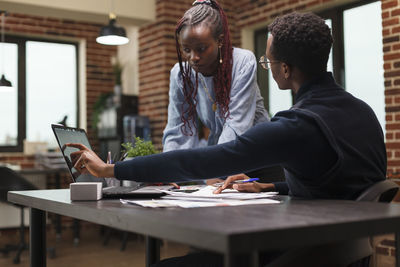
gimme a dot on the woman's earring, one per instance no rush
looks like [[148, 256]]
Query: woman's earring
[[220, 55]]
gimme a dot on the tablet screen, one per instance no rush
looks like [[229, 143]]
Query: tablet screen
[[70, 135]]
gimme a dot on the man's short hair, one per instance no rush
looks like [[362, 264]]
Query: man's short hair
[[302, 40]]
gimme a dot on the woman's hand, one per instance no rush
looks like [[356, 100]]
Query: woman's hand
[[252, 187], [85, 160]]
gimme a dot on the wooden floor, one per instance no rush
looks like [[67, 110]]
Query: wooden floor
[[91, 252]]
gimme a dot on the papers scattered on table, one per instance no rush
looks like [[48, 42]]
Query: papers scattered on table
[[167, 203], [208, 192], [205, 197]]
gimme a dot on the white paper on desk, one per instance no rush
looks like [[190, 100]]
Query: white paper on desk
[[167, 203], [207, 192]]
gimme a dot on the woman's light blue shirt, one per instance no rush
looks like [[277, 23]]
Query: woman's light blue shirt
[[246, 105]]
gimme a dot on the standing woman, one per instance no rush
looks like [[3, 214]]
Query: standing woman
[[212, 82]]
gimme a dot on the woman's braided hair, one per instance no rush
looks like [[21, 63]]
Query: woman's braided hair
[[211, 14]]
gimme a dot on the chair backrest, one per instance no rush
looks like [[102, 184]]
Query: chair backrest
[[383, 191], [12, 181]]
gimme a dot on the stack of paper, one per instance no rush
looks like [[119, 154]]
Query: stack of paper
[[205, 197]]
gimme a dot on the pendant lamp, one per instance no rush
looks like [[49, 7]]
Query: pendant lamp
[[4, 83], [112, 34]]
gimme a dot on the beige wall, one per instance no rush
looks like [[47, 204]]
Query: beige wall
[[128, 56], [133, 12]]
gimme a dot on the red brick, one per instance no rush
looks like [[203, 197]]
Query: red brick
[[385, 32], [389, 4], [382, 250], [395, 29], [385, 15], [395, 12], [388, 100], [393, 163], [393, 126], [389, 22], [388, 74]]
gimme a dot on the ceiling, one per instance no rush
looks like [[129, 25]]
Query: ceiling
[[129, 12]]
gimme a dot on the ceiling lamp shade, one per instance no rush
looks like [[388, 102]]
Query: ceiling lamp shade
[[112, 34], [4, 82]]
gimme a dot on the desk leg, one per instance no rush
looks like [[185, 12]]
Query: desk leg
[[37, 236], [397, 248], [152, 250]]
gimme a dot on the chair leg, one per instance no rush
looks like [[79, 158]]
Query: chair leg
[[107, 235], [22, 244]]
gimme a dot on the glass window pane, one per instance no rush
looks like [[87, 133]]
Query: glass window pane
[[330, 61], [278, 99], [364, 56], [51, 85], [9, 98]]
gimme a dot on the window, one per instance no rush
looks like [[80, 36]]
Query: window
[[363, 54], [44, 78], [8, 99], [355, 57]]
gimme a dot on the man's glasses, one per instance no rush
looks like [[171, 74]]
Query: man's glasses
[[265, 63]]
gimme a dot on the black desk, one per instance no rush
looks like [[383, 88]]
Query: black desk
[[227, 230]]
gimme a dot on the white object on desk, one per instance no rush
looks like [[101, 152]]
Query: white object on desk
[[86, 191]]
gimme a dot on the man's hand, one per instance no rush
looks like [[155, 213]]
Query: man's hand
[[252, 187], [86, 160], [229, 180], [214, 180]]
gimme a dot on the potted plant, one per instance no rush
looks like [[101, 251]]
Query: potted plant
[[139, 148]]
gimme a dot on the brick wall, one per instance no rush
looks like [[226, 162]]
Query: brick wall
[[391, 49], [99, 78]]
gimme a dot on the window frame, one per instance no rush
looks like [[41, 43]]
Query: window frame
[[21, 90], [335, 14]]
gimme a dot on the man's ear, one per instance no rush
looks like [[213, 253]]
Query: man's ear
[[221, 40], [286, 70]]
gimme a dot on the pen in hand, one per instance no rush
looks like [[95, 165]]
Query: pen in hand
[[123, 156], [238, 181], [109, 160]]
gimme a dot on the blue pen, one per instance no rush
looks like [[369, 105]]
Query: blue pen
[[245, 181]]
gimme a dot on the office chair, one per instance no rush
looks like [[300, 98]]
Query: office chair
[[12, 181], [353, 253]]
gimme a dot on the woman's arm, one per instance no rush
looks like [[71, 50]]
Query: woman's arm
[[173, 138], [245, 100]]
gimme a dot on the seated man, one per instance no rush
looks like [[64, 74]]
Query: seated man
[[329, 143]]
